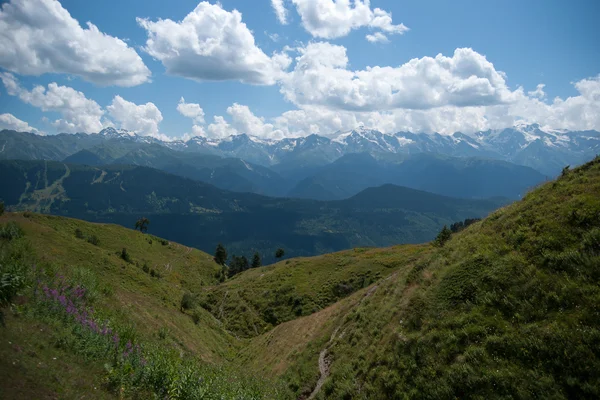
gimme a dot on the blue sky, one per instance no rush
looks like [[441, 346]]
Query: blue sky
[[525, 43]]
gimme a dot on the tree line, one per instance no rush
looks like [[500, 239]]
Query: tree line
[[239, 264]]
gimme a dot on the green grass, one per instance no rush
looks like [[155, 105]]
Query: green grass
[[507, 308], [253, 302]]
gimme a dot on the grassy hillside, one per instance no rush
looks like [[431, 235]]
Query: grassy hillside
[[255, 301], [201, 215], [507, 308]]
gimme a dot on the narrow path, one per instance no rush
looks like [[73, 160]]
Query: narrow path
[[324, 365], [324, 360]]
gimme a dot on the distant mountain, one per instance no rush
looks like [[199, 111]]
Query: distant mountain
[[450, 176], [226, 173], [201, 215], [545, 150]]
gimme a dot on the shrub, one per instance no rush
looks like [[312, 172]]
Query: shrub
[[78, 233], [163, 333], [93, 239], [10, 231], [152, 273], [196, 317], [125, 255], [188, 301], [443, 237], [1, 208], [145, 268]]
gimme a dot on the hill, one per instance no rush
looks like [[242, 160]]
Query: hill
[[448, 176], [201, 215], [506, 308], [226, 173]]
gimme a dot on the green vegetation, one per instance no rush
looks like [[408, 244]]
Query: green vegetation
[[506, 308], [442, 237], [254, 301], [220, 255], [279, 253], [200, 215], [142, 224], [256, 261], [105, 317]]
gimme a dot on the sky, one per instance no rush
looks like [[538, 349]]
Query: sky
[[288, 68]]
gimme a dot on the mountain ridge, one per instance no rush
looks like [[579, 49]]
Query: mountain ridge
[[544, 149]]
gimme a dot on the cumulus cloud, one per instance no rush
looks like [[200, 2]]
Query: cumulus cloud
[[280, 11], [377, 37], [40, 36], [191, 110], [330, 19], [142, 119], [79, 113], [573, 113], [220, 128], [9, 121], [321, 77], [212, 44], [245, 121]]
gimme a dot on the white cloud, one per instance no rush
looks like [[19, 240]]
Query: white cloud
[[79, 113], [330, 19], [142, 119], [377, 37], [538, 92], [191, 110], [579, 112], [9, 121], [220, 128], [280, 11], [321, 77], [244, 121], [40, 36], [212, 44]]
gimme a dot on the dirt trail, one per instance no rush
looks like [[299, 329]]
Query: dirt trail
[[324, 360], [324, 365]]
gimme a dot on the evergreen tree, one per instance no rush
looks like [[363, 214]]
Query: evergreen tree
[[279, 253], [220, 255], [256, 262], [443, 236], [142, 224], [237, 265]]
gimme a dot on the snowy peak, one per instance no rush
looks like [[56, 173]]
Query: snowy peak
[[117, 133]]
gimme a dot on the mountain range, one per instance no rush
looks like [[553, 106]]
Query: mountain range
[[520, 158], [201, 215]]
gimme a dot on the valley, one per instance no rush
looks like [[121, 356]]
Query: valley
[[507, 305]]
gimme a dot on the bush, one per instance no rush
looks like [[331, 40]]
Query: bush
[[1, 208], [196, 317], [163, 333], [125, 255], [10, 231], [145, 268], [79, 233], [93, 239], [188, 301], [443, 237]]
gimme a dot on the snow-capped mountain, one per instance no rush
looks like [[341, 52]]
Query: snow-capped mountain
[[544, 149], [531, 145]]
